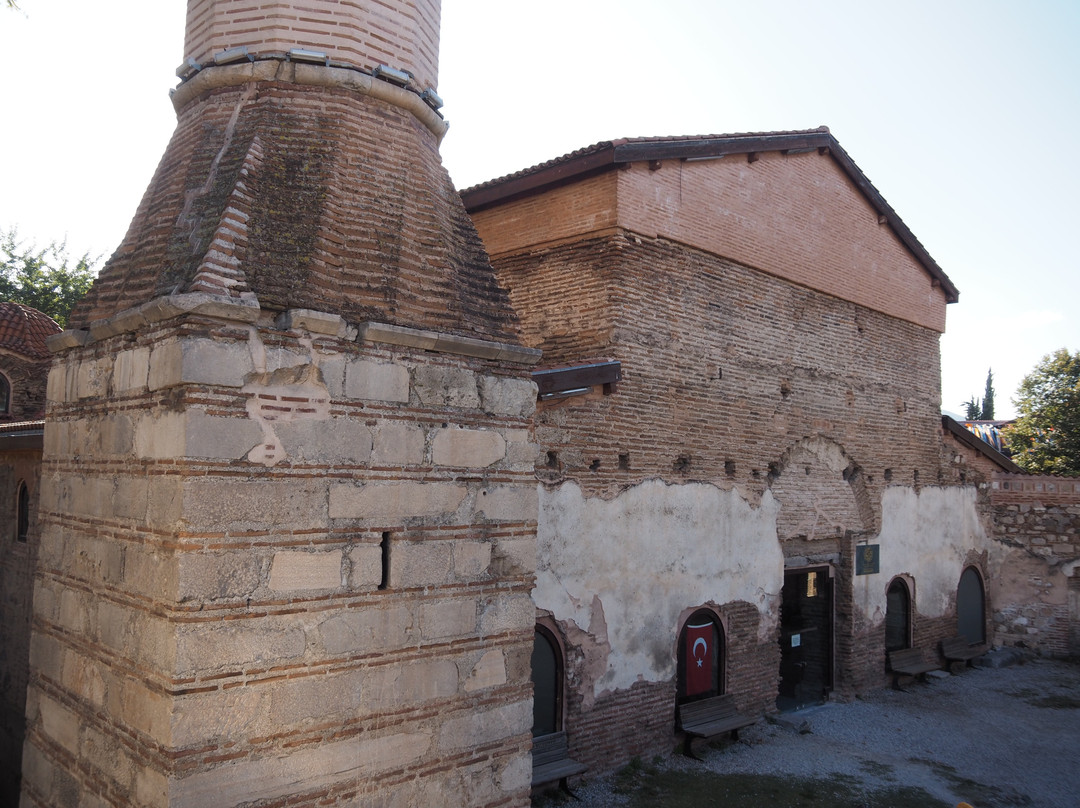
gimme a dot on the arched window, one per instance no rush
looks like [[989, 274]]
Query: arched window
[[971, 607], [701, 657], [897, 616], [22, 512], [547, 677], [5, 395]]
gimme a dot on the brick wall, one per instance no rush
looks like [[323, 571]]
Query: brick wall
[[734, 378], [16, 586], [403, 35], [725, 369], [309, 198], [797, 217]]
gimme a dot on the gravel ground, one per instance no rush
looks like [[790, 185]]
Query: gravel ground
[[993, 737]]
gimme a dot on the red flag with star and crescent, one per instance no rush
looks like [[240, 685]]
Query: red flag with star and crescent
[[699, 658]]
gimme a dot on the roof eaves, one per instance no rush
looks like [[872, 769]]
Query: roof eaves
[[958, 431], [609, 154]]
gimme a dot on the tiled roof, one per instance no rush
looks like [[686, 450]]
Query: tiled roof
[[23, 330], [609, 145]]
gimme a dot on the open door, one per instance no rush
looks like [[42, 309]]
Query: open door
[[806, 631]]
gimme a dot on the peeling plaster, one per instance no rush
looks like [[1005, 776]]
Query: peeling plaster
[[624, 569], [927, 534]]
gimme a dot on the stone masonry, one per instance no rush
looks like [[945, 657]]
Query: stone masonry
[[288, 510]]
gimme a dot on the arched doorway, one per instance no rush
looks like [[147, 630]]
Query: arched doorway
[[897, 616], [701, 657], [547, 677], [971, 607]]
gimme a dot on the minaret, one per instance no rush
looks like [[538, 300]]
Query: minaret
[[288, 509]]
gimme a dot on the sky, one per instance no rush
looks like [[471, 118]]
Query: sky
[[963, 114]]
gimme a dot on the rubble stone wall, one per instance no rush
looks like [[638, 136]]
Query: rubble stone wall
[[1037, 532]]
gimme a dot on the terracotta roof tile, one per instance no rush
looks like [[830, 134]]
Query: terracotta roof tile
[[23, 330]]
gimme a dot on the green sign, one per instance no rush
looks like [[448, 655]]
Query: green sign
[[867, 559]]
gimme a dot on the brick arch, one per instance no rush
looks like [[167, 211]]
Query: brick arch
[[821, 491]]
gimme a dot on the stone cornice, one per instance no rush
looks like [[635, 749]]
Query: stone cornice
[[278, 69], [246, 310]]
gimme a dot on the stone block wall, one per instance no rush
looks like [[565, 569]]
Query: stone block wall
[[1036, 524], [282, 564]]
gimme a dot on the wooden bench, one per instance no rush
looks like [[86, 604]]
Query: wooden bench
[[709, 718], [958, 649], [551, 761], [909, 662]]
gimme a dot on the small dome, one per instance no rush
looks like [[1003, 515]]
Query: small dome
[[23, 330]]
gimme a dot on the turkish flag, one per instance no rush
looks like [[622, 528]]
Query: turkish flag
[[699, 658]]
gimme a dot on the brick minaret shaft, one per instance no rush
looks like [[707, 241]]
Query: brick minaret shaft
[[288, 509]]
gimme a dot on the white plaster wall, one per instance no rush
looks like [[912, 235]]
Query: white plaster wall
[[927, 534], [624, 569]]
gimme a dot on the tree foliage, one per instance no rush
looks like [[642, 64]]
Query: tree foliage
[[976, 410], [47, 279], [988, 397], [1045, 439]]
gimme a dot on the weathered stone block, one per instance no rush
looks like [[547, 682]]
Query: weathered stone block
[[327, 442], [161, 435], [111, 436], [507, 613], [490, 671], [59, 724], [515, 556], [292, 570], [421, 564], [509, 503], [131, 371], [93, 378], [487, 726], [365, 566], [454, 618], [446, 387], [209, 576], [202, 361], [146, 710], [376, 381], [63, 383], [501, 396], [397, 443], [411, 684], [226, 504], [471, 559], [394, 501], [216, 438], [239, 642], [367, 630], [467, 448], [263, 708], [332, 371], [254, 780]]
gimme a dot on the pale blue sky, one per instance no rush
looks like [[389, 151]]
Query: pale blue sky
[[963, 114]]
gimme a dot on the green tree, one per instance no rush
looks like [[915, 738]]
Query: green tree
[[47, 279], [1045, 439], [973, 409], [988, 397]]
